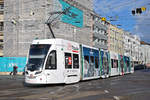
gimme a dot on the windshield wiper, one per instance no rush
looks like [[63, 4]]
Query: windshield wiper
[[30, 67]]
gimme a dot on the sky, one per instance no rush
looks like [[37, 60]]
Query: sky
[[119, 12]]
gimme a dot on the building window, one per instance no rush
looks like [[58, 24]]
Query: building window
[[1, 26], [1, 6], [1, 46]]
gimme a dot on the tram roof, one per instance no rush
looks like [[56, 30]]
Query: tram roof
[[52, 41]]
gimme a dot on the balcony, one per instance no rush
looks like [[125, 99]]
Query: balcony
[[100, 36], [98, 45], [100, 25]]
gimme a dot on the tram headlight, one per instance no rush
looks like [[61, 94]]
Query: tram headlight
[[38, 72], [26, 72]]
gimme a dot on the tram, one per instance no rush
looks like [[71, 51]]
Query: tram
[[55, 61]]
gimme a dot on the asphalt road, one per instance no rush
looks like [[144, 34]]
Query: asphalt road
[[134, 86]]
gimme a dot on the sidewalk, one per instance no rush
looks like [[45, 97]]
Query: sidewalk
[[11, 77], [8, 73]]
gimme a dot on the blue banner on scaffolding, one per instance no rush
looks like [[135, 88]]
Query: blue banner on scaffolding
[[7, 63], [73, 16]]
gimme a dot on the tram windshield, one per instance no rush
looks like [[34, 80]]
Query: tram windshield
[[37, 56]]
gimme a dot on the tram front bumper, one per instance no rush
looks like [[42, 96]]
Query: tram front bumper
[[35, 80]]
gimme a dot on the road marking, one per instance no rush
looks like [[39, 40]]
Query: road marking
[[44, 98], [116, 97], [106, 91]]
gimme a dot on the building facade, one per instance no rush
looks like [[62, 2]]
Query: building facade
[[26, 21], [100, 33], [128, 42], [132, 48], [69, 19], [1, 26], [136, 49], [145, 48], [115, 40]]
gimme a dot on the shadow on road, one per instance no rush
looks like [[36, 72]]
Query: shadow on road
[[40, 85]]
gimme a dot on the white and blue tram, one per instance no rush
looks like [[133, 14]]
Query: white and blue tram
[[53, 61]]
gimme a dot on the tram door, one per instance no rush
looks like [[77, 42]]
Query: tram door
[[51, 70], [122, 65], [105, 64], [72, 72]]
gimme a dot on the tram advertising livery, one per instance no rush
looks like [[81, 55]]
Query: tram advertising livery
[[54, 61]]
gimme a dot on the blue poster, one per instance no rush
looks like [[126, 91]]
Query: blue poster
[[72, 15], [91, 62], [7, 63]]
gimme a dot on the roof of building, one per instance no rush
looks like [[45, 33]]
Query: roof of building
[[144, 43]]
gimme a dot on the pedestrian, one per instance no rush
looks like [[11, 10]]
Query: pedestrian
[[15, 70]]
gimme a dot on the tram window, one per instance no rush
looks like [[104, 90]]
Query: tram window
[[104, 61], [86, 62], [51, 61], [132, 64], [128, 64], [115, 63], [68, 61], [75, 61], [121, 62], [112, 63], [92, 61], [96, 62], [86, 59]]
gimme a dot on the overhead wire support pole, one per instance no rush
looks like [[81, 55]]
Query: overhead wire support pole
[[49, 23]]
